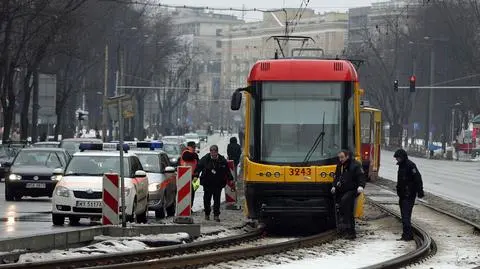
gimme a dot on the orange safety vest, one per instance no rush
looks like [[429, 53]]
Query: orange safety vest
[[193, 163]]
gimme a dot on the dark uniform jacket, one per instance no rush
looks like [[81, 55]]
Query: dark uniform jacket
[[234, 151], [409, 179], [215, 173], [349, 176]]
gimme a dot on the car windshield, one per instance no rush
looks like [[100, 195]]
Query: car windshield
[[72, 146], [44, 145], [191, 136], [96, 165], [171, 149], [171, 139], [201, 132], [150, 162], [40, 158]]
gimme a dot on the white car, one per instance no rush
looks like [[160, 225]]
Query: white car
[[78, 193], [193, 137]]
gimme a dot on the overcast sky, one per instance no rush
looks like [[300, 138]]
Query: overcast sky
[[318, 5]]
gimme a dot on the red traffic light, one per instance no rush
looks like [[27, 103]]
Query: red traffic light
[[412, 78]]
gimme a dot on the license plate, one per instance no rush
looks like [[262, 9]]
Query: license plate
[[35, 186], [89, 204]]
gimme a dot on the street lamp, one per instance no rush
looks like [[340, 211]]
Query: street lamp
[[105, 87], [429, 134]]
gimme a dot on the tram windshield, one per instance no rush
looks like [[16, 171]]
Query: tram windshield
[[294, 114]]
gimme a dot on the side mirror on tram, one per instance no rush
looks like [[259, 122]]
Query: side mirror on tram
[[236, 100]]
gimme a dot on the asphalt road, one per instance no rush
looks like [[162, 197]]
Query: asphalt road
[[33, 215], [454, 180]]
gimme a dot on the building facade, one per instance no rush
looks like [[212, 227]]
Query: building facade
[[204, 32]]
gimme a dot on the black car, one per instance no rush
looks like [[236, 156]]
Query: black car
[[174, 151], [7, 154], [31, 172]]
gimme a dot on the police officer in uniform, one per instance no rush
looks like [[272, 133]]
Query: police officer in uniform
[[348, 184], [409, 185]]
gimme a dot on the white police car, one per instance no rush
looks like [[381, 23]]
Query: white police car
[[161, 177], [78, 193]]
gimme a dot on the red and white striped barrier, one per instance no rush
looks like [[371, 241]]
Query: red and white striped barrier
[[184, 195], [110, 199], [230, 188]]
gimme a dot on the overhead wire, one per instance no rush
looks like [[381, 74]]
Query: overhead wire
[[126, 2]]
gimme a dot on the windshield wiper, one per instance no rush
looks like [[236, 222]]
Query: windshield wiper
[[316, 142]]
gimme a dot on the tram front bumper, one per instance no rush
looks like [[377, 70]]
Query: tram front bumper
[[289, 200]]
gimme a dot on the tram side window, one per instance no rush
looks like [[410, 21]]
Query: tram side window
[[252, 128], [365, 130], [351, 124]]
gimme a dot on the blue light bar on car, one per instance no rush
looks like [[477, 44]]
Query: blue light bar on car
[[90, 146], [150, 145]]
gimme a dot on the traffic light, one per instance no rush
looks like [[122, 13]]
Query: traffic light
[[412, 83], [395, 85]]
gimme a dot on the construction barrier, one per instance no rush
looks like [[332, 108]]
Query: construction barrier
[[231, 189], [184, 195], [110, 195]]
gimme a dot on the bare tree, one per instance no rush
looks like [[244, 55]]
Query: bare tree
[[384, 49]]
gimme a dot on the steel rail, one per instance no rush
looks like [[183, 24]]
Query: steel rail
[[201, 259], [426, 246], [139, 255]]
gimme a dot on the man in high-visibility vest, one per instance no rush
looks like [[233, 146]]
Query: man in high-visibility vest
[[190, 158]]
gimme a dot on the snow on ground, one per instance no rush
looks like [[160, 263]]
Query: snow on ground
[[457, 245], [108, 246], [175, 237], [458, 181], [376, 242]]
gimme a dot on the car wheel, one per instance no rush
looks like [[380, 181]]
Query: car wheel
[[8, 195], [160, 213], [18, 197], [171, 210], [74, 221], [58, 220]]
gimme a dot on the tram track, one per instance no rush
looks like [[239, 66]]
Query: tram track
[[249, 245], [140, 255], [454, 239]]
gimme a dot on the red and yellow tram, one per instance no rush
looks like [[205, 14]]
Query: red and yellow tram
[[371, 134]]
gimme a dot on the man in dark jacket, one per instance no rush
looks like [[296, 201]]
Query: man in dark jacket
[[349, 182], [215, 173], [409, 185], [234, 151]]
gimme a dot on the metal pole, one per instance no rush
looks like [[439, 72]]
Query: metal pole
[[429, 135], [122, 178], [105, 94], [453, 127]]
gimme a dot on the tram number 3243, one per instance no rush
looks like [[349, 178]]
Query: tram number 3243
[[300, 171]]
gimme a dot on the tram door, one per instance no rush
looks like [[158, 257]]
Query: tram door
[[371, 127]]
